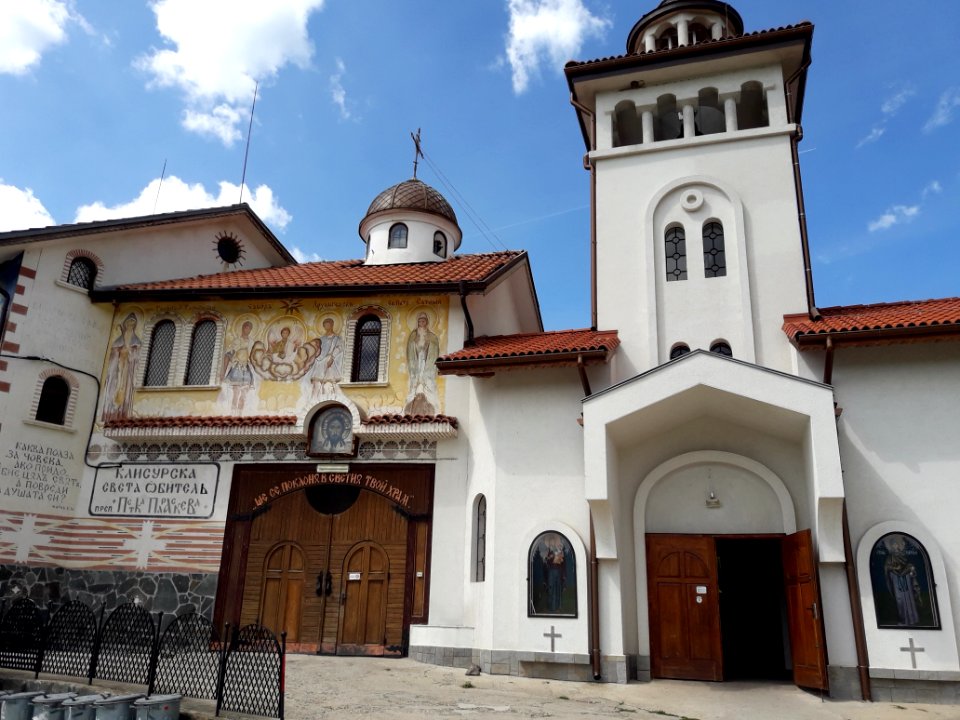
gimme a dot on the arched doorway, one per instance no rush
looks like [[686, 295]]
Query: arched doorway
[[363, 600], [280, 600]]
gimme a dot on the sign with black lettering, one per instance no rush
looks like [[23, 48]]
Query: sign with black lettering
[[171, 490]]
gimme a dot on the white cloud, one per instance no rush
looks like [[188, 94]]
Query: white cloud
[[30, 27], [943, 114], [893, 216], [875, 134], [302, 256], [21, 209], [337, 92], [933, 188], [179, 195], [547, 30], [218, 51], [893, 103]]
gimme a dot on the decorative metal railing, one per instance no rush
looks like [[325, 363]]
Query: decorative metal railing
[[243, 672]]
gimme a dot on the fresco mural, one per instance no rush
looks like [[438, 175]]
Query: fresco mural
[[282, 357], [552, 578], [904, 593]]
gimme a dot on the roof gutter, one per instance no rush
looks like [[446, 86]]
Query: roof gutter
[[485, 365], [813, 341]]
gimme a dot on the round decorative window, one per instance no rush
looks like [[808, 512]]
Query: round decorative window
[[229, 248]]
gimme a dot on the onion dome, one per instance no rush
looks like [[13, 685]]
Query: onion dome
[[412, 194]]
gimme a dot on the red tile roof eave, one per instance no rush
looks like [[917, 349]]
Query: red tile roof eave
[[813, 340], [526, 360]]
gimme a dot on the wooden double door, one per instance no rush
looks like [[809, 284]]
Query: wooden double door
[[728, 608], [340, 568]]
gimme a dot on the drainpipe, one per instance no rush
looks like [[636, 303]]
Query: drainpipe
[[587, 165], [584, 380], [812, 310], [856, 611], [828, 362], [466, 314], [593, 600]]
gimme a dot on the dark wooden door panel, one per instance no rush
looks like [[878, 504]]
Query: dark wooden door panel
[[682, 588], [807, 645]]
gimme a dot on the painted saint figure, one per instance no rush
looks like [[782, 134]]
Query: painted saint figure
[[555, 562], [332, 432], [328, 368], [237, 369], [122, 370], [901, 577], [423, 349]]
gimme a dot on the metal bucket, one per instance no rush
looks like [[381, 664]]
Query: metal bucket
[[117, 707], [49, 707], [81, 708], [158, 707], [16, 706]]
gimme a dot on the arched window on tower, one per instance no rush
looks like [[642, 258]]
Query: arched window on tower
[[398, 236], [675, 253], [366, 350], [709, 116], [202, 346], [627, 124], [668, 39], [698, 33], [82, 273], [752, 108], [439, 244], [722, 347], [161, 353], [54, 397], [679, 350], [480, 540], [667, 124], [714, 256]]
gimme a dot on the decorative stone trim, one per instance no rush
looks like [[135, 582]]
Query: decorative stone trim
[[71, 409], [429, 430], [80, 253], [349, 344]]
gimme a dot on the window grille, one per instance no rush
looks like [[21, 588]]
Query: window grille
[[366, 351], [200, 360], [714, 256], [161, 352], [398, 236], [54, 396], [721, 348], [480, 533], [678, 351], [439, 244], [676, 253], [82, 273]]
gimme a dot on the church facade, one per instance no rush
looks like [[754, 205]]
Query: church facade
[[717, 480]]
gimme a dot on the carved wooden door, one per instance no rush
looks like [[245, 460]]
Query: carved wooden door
[[282, 594], [803, 611], [363, 600], [683, 595]]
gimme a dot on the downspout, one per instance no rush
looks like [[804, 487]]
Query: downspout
[[587, 165], [828, 362], [812, 310], [593, 572], [856, 611], [466, 314]]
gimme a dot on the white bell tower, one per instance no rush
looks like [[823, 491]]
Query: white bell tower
[[699, 240]]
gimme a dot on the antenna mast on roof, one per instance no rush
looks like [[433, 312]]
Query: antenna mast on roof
[[246, 153], [160, 185], [417, 153]]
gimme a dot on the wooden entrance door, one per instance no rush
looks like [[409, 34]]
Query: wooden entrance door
[[281, 600], [803, 611], [363, 601], [682, 588]]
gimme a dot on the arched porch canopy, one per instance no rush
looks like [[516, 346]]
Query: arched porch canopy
[[638, 413]]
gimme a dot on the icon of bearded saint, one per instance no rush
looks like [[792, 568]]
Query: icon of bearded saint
[[283, 357]]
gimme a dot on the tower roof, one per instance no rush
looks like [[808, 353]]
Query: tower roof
[[412, 194], [668, 7]]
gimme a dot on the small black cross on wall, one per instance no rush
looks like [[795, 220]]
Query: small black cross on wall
[[553, 635]]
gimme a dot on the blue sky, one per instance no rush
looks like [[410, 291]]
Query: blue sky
[[96, 96]]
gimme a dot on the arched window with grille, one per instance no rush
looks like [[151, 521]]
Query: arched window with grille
[[675, 252], [54, 398], [679, 350], [203, 343], [722, 347], [82, 273], [439, 244], [714, 255], [366, 350], [480, 539], [398, 236], [161, 353]]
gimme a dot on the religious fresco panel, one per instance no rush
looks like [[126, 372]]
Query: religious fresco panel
[[551, 577], [279, 357], [904, 592]]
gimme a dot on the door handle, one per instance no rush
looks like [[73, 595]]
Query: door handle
[[324, 586], [343, 598], [815, 610]]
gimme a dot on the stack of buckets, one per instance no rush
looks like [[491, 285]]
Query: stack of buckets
[[36, 705]]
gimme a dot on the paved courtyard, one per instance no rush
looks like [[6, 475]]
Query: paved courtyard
[[329, 687]]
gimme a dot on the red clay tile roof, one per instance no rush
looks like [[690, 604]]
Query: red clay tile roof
[[882, 322], [189, 421], [410, 420], [543, 348], [338, 274]]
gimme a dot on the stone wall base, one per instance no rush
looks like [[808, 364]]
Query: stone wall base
[[552, 666], [171, 593], [940, 687]]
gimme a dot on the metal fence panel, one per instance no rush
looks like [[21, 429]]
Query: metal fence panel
[[126, 649], [21, 636], [71, 637], [188, 658], [252, 680]]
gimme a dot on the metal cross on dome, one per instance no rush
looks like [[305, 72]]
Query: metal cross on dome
[[417, 152]]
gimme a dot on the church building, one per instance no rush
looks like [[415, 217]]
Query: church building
[[717, 480]]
